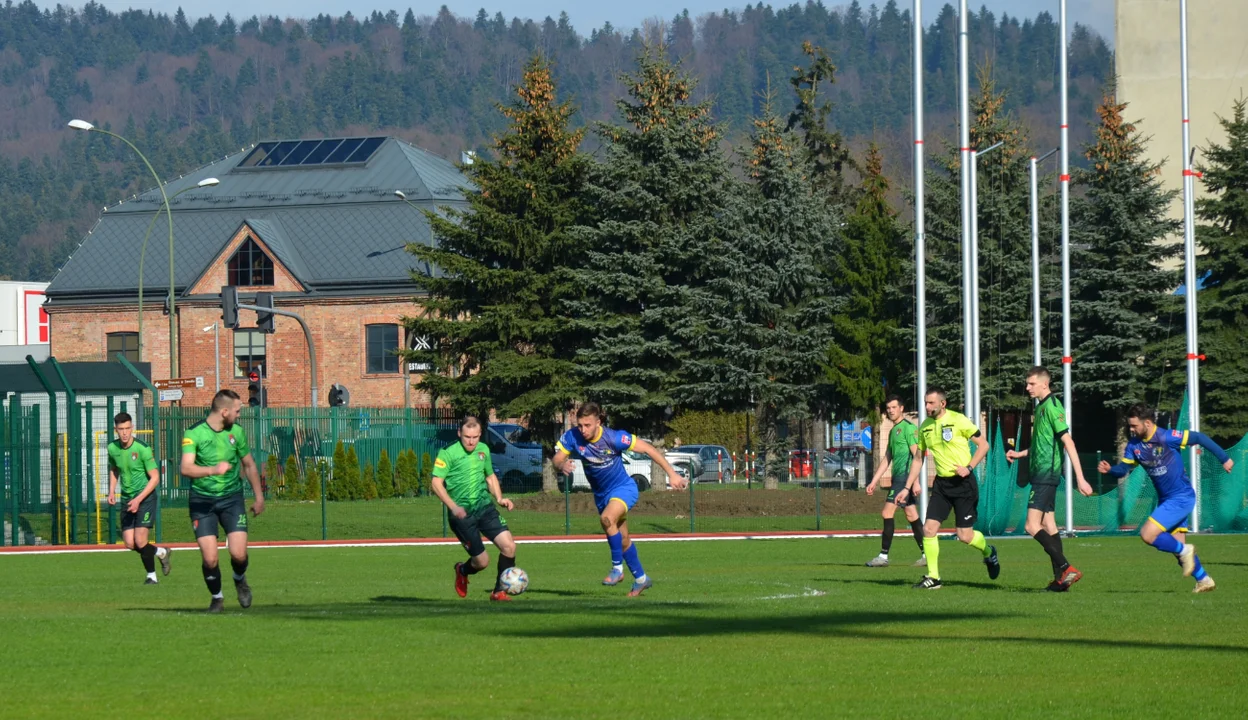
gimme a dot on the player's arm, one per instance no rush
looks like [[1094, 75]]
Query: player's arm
[[883, 469], [252, 473], [981, 451], [112, 483], [1203, 440], [189, 469], [1069, 443], [153, 480], [1123, 467], [916, 469], [496, 490], [674, 478], [1013, 455], [438, 482]]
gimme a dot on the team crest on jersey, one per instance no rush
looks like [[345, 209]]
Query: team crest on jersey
[[481, 456], [946, 434], [231, 438], [1158, 451], [134, 456], [1175, 433]]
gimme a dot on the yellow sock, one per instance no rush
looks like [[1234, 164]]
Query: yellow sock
[[979, 543], [931, 548]]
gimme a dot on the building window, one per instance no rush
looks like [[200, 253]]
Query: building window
[[250, 267], [248, 352], [126, 343], [383, 344]]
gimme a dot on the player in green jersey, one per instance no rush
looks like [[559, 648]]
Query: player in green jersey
[[902, 449], [132, 471], [1049, 436], [464, 479], [214, 451], [945, 435]]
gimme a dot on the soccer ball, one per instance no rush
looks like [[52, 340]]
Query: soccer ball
[[514, 580]]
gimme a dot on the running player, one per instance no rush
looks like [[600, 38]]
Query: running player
[[945, 434], [464, 479], [1049, 436], [903, 448], [1157, 450], [615, 493], [212, 452], [132, 467]]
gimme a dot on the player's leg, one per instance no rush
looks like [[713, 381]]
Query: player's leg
[[493, 527], [886, 537], [938, 508], [916, 527], [1042, 525], [232, 514], [152, 552], [966, 512], [204, 523], [146, 551], [1064, 573], [611, 513], [1170, 514], [469, 535]]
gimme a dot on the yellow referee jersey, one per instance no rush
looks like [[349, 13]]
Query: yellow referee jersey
[[946, 439]]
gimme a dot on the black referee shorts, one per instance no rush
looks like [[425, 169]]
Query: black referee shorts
[[957, 494]]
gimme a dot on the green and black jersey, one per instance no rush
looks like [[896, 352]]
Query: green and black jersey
[[1047, 428], [211, 447], [131, 465], [901, 438], [465, 473]]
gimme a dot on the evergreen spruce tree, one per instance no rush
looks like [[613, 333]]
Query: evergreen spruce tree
[[659, 195], [385, 476], [368, 485], [312, 485], [294, 489], [354, 481], [498, 304], [1119, 243], [863, 356], [340, 482], [826, 151], [1223, 304]]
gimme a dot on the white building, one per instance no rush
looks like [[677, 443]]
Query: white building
[[24, 327]]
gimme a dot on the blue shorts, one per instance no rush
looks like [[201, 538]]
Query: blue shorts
[[625, 492], [1171, 513]]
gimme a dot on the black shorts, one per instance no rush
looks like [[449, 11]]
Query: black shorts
[[961, 495], [1042, 498], [207, 513], [898, 486], [144, 518], [485, 521]]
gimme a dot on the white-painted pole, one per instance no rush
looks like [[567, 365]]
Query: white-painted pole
[[1067, 359], [920, 259], [1189, 270]]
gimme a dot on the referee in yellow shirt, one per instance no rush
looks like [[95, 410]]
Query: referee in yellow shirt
[[944, 434]]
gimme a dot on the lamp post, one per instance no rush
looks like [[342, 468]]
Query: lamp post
[[216, 354], [173, 337], [206, 182]]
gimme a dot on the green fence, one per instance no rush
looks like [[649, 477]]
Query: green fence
[[55, 483]]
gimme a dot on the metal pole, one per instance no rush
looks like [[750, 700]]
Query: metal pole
[[973, 404], [216, 352], [1067, 359], [1035, 261], [920, 259], [307, 334], [1189, 270], [964, 154]]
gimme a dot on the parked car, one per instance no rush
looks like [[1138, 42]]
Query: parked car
[[707, 459], [518, 466], [635, 464]]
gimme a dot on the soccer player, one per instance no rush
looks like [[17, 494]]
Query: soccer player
[[131, 465], [903, 449], [213, 451], [944, 434], [1157, 450], [464, 479], [1049, 436], [615, 493]]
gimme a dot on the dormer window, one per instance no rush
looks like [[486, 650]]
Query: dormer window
[[250, 267]]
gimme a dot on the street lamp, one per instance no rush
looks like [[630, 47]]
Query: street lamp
[[216, 346], [173, 336], [207, 182]]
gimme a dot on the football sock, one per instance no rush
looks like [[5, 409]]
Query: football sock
[[979, 543], [931, 548], [467, 568], [148, 554], [634, 563], [1166, 542], [504, 563], [1199, 573], [886, 540], [916, 527], [1052, 545], [212, 578], [616, 543], [240, 568]]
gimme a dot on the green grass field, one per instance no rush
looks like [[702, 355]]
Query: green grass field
[[748, 629]]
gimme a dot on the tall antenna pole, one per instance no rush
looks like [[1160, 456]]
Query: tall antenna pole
[[1067, 359], [1189, 270], [920, 259], [964, 155]]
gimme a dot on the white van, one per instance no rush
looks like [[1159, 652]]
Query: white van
[[635, 464]]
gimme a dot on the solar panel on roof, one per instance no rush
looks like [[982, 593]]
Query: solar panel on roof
[[301, 151], [366, 150], [306, 153], [257, 154], [322, 151], [344, 150]]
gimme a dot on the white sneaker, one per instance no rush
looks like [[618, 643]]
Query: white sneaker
[[1205, 585], [1187, 558], [878, 561]]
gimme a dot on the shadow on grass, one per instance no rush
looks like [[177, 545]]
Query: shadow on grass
[[909, 582]]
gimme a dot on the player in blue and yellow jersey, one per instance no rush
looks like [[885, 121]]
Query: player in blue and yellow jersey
[[1157, 450], [599, 448]]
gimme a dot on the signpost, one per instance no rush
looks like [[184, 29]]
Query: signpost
[[170, 395], [179, 383]]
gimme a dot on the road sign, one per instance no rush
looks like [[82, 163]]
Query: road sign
[[170, 395], [419, 367], [866, 438], [179, 383]]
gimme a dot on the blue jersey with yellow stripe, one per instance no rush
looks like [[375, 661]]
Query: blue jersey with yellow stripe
[[602, 455], [1159, 455]]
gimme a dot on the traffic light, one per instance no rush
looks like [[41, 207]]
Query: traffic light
[[338, 395], [255, 389], [264, 320], [229, 306]]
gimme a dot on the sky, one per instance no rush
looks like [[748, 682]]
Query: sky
[[585, 16]]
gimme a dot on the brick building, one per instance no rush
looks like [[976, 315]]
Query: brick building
[[315, 222]]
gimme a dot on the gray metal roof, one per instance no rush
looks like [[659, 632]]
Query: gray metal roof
[[329, 226]]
